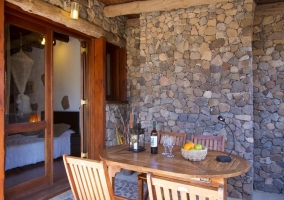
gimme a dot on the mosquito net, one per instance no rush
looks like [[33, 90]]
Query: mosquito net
[[21, 66]]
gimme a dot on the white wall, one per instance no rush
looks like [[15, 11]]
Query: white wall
[[66, 62]]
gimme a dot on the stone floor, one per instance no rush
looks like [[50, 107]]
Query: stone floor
[[127, 186]]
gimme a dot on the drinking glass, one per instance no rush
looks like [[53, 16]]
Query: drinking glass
[[164, 139], [171, 142]]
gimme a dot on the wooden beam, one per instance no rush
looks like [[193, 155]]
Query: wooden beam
[[61, 37], [41, 8], [132, 22], [269, 9], [138, 7]]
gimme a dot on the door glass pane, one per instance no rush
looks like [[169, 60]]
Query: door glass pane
[[66, 99], [24, 103], [24, 157], [24, 75]]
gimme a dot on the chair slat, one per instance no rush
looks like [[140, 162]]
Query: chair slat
[[88, 179], [168, 189], [210, 141]]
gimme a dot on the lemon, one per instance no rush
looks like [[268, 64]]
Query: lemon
[[198, 147]]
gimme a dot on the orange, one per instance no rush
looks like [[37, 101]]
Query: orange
[[188, 146]]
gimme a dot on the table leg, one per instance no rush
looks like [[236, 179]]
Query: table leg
[[223, 182], [140, 189], [225, 189], [112, 170]]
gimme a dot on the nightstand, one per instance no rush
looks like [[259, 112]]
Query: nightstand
[[75, 145]]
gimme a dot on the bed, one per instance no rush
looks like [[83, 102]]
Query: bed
[[24, 150]]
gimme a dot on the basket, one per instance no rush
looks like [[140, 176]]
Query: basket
[[194, 155]]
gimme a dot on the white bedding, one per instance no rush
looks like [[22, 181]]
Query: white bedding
[[25, 150]]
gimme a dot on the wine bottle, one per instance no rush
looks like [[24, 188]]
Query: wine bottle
[[154, 139]]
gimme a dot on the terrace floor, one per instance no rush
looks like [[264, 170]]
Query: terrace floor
[[127, 186]]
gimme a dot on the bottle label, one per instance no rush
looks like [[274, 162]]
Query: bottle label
[[154, 141]]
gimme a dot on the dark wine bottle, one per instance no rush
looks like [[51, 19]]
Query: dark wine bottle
[[154, 139]]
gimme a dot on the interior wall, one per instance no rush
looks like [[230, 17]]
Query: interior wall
[[196, 64], [66, 74]]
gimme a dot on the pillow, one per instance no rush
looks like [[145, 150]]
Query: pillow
[[31, 133], [58, 129]]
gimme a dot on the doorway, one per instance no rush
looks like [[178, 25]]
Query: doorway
[[94, 92], [35, 78]]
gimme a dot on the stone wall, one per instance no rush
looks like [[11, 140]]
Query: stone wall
[[268, 74], [196, 64], [116, 114]]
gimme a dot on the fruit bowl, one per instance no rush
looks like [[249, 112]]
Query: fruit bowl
[[194, 155]]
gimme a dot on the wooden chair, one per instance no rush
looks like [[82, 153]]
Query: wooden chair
[[88, 179], [180, 137], [180, 141], [170, 189], [211, 142]]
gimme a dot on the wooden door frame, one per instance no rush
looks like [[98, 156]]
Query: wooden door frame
[[47, 178], [96, 106], [96, 87], [2, 105]]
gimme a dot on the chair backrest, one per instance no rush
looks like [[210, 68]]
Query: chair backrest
[[169, 189], [88, 178], [209, 141], [180, 137]]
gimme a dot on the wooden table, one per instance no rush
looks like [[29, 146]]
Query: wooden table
[[206, 172]]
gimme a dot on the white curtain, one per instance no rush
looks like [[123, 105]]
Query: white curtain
[[21, 66]]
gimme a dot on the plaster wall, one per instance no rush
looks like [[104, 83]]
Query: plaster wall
[[66, 76]]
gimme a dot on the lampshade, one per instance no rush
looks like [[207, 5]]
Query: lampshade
[[33, 117], [74, 14]]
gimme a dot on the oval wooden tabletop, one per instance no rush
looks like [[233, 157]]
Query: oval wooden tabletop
[[144, 161]]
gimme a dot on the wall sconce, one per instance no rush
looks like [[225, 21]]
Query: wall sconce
[[74, 10], [33, 117]]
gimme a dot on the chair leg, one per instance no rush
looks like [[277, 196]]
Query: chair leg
[[113, 184]]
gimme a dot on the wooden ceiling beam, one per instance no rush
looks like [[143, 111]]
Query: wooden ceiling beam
[[138, 7], [268, 9]]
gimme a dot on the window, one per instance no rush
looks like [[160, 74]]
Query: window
[[115, 73]]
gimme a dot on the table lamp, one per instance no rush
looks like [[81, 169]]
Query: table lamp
[[227, 158]]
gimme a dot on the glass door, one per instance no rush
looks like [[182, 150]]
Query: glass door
[[28, 134], [66, 99]]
